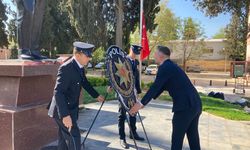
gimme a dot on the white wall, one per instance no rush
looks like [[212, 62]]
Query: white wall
[[215, 46]]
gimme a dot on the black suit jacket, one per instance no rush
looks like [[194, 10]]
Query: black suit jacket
[[70, 79], [173, 79]]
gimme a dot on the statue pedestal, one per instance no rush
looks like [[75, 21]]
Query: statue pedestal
[[26, 87]]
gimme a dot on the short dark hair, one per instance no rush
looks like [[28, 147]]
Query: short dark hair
[[164, 49]]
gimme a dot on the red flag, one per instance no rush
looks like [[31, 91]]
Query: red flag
[[144, 40]]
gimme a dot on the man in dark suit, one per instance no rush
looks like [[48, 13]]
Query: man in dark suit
[[187, 105], [133, 52], [64, 106]]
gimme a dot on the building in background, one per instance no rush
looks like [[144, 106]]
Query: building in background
[[208, 49]]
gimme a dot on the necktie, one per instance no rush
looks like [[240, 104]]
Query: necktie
[[82, 71], [133, 64]]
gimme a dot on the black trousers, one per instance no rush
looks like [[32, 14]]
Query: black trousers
[[121, 122], [186, 122], [66, 140]]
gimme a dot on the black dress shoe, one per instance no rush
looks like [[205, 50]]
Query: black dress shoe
[[137, 137], [124, 144]]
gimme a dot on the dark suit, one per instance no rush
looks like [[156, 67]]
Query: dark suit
[[122, 111], [186, 103], [70, 80]]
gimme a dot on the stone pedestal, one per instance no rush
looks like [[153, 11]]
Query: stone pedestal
[[26, 87]]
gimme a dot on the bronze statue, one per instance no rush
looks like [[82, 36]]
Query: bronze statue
[[29, 23]]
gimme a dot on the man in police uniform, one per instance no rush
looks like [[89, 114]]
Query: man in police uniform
[[133, 52], [64, 106], [186, 101]]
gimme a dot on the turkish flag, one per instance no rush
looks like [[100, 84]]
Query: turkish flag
[[144, 40]]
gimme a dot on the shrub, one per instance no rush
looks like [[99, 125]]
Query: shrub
[[98, 81]]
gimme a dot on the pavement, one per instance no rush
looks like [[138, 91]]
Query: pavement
[[215, 133]]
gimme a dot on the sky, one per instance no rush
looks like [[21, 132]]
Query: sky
[[185, 8]]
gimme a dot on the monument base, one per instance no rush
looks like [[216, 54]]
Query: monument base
[[26, 129], [26, 88]]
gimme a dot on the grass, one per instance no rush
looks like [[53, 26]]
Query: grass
[[101, 90], [211, 105], [224, 109], [218, 107]]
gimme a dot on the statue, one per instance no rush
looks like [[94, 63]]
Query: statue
[[29, 23]]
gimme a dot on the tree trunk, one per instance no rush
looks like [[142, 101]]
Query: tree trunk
[[119, 22], [248, 37], [184, 56]]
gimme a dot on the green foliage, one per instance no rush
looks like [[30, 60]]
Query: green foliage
[[237, 30], [3, 19], [102, 91], [236, 40], [215, 7], [95, 21], [168, 25], [142, 85], [132, 17], [12, 31], [57, 33], [98, 81], [146, 86], [168, 28], [191, 30], [88, 19], [223, 109], [218, 107], [165, 97], [220, 35], [14, 53], [98, 55]]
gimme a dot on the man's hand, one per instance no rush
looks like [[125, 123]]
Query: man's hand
[[67, 122], [100, 98], [109, 89], [135, 108]]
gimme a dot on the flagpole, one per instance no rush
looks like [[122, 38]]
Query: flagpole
[[141, 15]]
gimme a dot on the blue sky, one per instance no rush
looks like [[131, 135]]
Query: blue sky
[[185, 8]]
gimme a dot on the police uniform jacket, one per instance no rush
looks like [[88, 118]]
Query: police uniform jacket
[[70, 80], [135, 64]]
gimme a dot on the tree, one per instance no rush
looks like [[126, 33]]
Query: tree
[[168, 28], [119, 22], [11, 27], [132, 17], [239, 9], [12, 31], [168, 25], [98, 56], [3, 19], [235, 47], [57, 32], [215, 7], [220, 34], [96, 21], [88, 19], [191, 31]]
